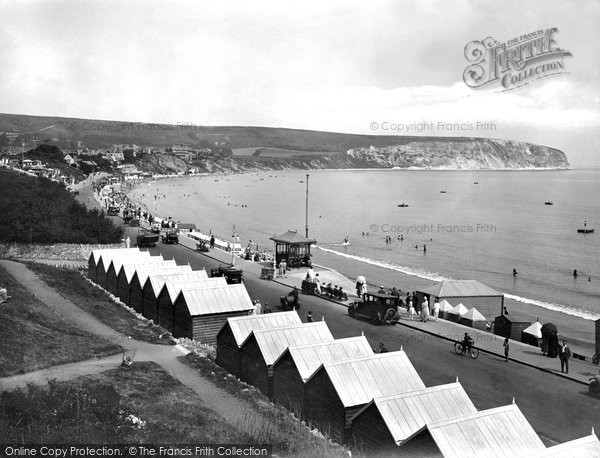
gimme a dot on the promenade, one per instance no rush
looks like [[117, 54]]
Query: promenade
[[487, 343]]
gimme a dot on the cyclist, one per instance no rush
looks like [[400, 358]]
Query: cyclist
[[467, 343]]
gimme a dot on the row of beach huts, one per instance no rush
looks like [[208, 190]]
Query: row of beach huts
[[377, 402]]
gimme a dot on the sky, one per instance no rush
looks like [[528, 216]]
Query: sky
[[375, 67]]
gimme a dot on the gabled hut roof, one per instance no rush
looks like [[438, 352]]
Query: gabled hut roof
[[273, 342], [535, 330], [460, 288], [144, 271], [474, 315], [359, 380], [175, 287], [308, 358], [130, 268], [220, 299], [460, 310], [97, 254], [242, 326], [585, 447], [108, 258], [408, 413], [178, 273], [500, 432], [445, 306], [291, 237]]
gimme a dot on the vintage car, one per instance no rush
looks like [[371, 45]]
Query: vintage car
[[377, 308], [113, 211], [170, 237], [134, 222], [147, 239], [231, 274]]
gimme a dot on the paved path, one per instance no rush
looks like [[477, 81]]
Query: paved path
[[579, 371], [231, 408]]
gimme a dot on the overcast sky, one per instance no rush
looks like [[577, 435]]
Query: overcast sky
[[324, 65]]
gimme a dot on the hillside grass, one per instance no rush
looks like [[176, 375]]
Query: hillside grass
[[33, 337], [37, 210], [72, 285], [77, 411]]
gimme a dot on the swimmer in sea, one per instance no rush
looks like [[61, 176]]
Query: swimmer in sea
[[514, 272]]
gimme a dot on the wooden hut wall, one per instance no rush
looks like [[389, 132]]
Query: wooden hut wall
[[101, 273], [323, 406], [511, 328], [228, 354], [165, 310], [421, 444], [92, 268], [370, 432], [530, 339], [288, 386], [149, 305], [253, 367], [112, 282], [123, 286], [206, 327]]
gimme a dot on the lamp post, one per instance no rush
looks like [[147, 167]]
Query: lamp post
[[233, 248], [306, 218]]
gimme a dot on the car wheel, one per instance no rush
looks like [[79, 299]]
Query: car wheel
[[375, 318], [391, 315]]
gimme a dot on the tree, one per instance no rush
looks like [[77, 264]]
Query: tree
[[4, 141]]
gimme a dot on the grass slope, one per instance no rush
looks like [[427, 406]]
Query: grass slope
[[34, 338]]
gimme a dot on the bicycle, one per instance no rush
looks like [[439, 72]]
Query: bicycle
[[458, 348]]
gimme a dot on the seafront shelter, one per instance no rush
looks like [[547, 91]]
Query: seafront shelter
[[199, 314], [170, 292], [128, 271], [337, 391], [296, 364], [154, 285], [293, 247], [386, 423], [236, 330], [135, 297], [470, 293], [262, 348], [499, 432], [511, 326]]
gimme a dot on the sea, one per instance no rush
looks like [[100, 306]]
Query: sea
[[455, 225]]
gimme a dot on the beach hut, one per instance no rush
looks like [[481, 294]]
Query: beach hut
[[140, 277], [532, 335], [154, 285], [585, 447], [473, 319], [337, 391], [386, 423], [95, 257], [112, 274], [262, 348], [236, 330], [199, 314], [129, 270], [511, 325], [456, 313], [296, 364], [170, 292], [471, 293], [292, 246], [500, 432], [445, 309], [106, 260]]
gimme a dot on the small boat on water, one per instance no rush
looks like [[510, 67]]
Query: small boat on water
[[402, 205], [585, 231], [442, 192], [476, 182], [548, 202]]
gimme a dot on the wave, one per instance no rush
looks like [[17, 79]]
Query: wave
[[433, 276], [566, 309]]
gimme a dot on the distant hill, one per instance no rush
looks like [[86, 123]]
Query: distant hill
[[278, 148]]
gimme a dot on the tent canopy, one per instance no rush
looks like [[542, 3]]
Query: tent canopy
[[535, 330], [460, 288], [460, 309], [474, 315], [445, 306]]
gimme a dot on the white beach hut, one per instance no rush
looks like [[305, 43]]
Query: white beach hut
[[474, 319], [532, 335], [457, 312], [445, 308]]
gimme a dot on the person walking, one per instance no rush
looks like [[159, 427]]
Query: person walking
[[212, 242], [425, 310], [411, 309], [436, 308], [284, 268], [309, 317], [506, 348], [127, 242], [564, 354], [257, 307]]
